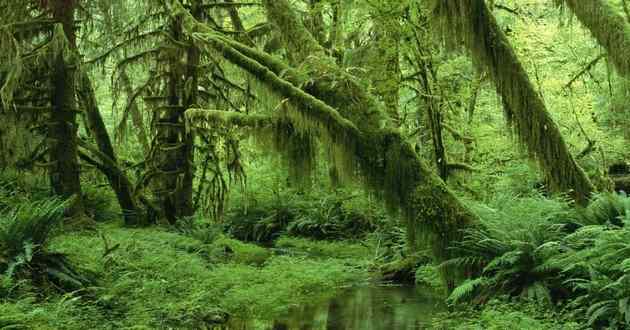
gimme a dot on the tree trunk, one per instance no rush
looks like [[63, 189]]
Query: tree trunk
[[427, 79], [386, 74], [136, 115], [608, 26], [62, 130], [238, 26], [64, 173], [117, 180], [173, 144], [472, 21]]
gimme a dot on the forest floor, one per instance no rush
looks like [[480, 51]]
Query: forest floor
[[155, 278]]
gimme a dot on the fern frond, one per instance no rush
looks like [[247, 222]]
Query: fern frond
[[465, 291]]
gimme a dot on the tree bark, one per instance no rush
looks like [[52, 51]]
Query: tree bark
[[472, 21], [174, 148]]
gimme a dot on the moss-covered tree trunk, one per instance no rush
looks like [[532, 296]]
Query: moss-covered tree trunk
[[336, 37], [62, 130], [472, 21], [609, 27], [434, 119], [174, 146], [136, 115], [118, 181], [238, 25], [191, 94], [386, 74]]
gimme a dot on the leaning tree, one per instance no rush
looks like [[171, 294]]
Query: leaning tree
[[472, 22], [323, 99]]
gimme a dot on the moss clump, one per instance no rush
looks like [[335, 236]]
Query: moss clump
[[228, 249]]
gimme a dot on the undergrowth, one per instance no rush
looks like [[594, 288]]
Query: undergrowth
[[316, 214], [541, 250]]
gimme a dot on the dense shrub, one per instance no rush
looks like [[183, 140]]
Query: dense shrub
[[318, 215]]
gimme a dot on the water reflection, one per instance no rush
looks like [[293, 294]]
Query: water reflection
[[373, 307]]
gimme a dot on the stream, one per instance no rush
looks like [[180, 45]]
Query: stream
[[371, 307]]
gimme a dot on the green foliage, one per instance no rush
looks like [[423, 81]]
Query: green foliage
[[501, 314], [228, 249], [264, 221], [67, 311], [606, 209], [24, 235], [322, 249], [612, 110], [198, 274], [596, 265], [580, 258], [199, 229], [100, 203], [333, 217], [511, 252], [317, 215]]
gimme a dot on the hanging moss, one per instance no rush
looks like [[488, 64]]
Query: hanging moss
[[335, 106], [297, 145], [300, 153], [472, 21], [609, 27], [202, 118], [384, 160]]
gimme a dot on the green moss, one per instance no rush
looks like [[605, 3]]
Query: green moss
[[324, 249], [283, 282], [609, 27], [238, 252], [499, 315]]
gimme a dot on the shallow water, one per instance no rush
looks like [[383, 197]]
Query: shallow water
[[372, 307]]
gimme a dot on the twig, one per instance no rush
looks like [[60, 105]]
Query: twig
[[586, 69]]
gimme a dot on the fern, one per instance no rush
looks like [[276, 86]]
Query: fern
[[514, 256], [467, 290], [24, 235], [606, 209], [596, 264]]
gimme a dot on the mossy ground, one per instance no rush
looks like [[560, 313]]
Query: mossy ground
[[154, 278]]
